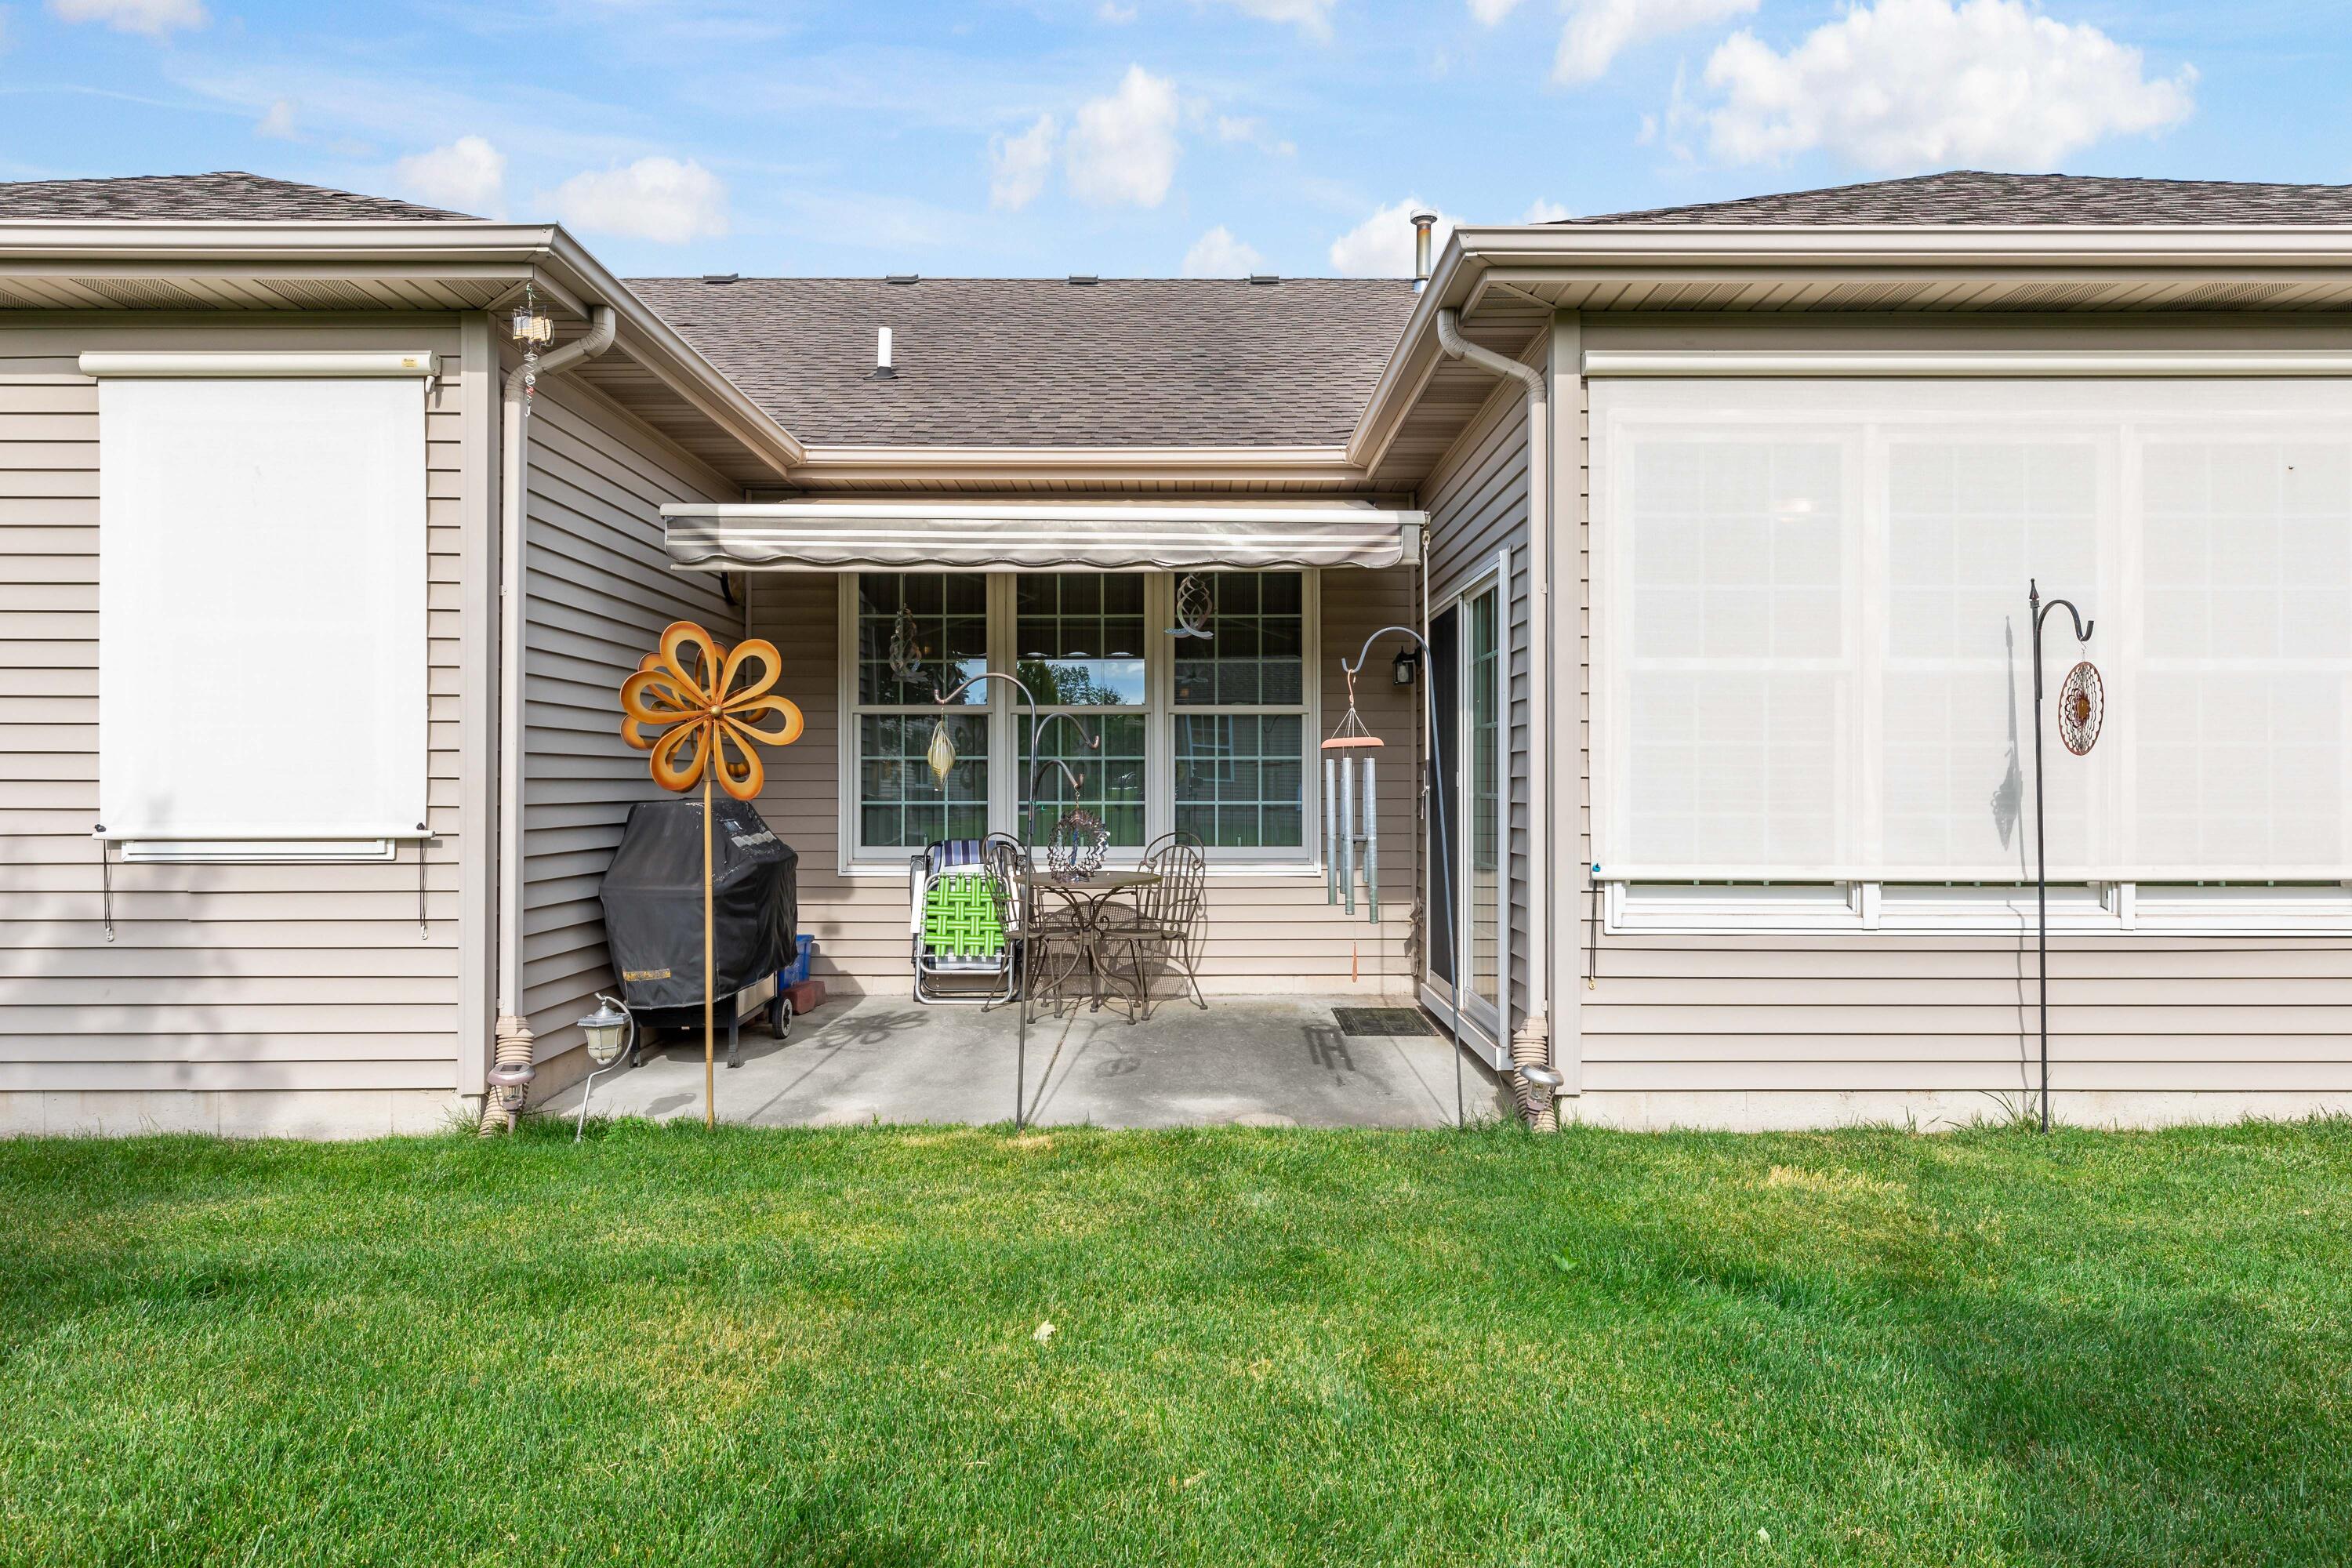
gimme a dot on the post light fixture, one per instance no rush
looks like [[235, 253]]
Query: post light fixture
[[511, 1082], [1406, 667], [605, 1030]]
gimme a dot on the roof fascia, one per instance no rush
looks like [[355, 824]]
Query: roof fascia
[[873, 464], [1476, 260], [543, 254], [645, 338]]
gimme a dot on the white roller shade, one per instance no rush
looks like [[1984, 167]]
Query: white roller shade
[[262, 607], [1812, 645]]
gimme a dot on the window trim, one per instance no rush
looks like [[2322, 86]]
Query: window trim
[[1641, 907], [1004, 713]]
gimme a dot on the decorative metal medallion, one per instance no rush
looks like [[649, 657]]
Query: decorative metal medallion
[[906, 652], [2081, 707], [1194, 608], [1077, 846]]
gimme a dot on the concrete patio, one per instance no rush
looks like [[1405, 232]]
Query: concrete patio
[[1256, 1061]]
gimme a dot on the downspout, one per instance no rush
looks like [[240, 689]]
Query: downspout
[[510, 1073], [1530, 1044]]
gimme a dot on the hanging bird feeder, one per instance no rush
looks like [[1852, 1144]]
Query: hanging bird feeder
[[1351, 809], [2081, 708]]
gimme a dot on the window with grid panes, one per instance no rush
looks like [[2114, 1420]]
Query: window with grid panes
[[1081, 643], [1239, 716], [899, 803], [1208, 736]]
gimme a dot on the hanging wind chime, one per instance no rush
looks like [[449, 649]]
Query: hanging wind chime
[[1350, 809], [2082, 709], [694, 707], [533, 329]]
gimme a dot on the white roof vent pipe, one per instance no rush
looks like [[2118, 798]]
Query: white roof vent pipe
[[1421, 223], [883, 369]]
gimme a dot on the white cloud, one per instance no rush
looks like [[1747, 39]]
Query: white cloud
[[1237, 127], [1017, 166], [1217, 254], [654, 198], [1312, 16], [1597, 31], [1381, 246], [153, 17], [1123, 148], [1916, 84], [278, 122], [1542, 210], [1112, 12], [468, 176]]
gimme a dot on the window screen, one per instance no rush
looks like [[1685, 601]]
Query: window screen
[[261, 591], [1813, 653]]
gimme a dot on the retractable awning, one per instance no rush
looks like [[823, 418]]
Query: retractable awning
[[851, 536]]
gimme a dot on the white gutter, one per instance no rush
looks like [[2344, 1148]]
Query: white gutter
[[514, 1040], [1531, 1045]]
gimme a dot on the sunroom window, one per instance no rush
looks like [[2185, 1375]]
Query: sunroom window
[[1205, 735]]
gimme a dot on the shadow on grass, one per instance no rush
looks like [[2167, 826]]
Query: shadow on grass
[[2132, 1419]]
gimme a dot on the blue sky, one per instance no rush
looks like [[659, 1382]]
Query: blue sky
[[1147, 137]]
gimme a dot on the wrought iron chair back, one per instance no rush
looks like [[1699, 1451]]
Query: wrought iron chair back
[[1168, 913]]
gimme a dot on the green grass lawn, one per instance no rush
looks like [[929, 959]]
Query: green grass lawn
[[670, 1346]]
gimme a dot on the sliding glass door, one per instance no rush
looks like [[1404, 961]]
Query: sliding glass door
[[1469, 933]]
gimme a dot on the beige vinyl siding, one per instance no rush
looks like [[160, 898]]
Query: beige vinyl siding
[[599, 591], [286, 978], [1759, 1029], [1266, 933], [1476, 498]]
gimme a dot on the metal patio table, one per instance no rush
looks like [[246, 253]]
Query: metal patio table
[[1087, 896]]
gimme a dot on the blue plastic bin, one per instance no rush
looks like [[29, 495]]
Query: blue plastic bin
[[798, 970]]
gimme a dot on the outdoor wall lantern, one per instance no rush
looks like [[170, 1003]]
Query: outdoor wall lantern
[[1406, 665], [605, 1030]]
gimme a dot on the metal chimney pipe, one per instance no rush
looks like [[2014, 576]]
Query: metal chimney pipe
[[1421, 223], [883, 369]]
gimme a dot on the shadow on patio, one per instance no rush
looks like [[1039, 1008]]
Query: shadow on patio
[[1257, 1061]]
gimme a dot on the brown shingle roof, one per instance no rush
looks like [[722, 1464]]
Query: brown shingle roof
[[1028, 361], [1971, 196], [228, 195]]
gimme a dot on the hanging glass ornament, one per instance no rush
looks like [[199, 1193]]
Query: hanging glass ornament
[[1195, 606], [943, 754], [533, 329]]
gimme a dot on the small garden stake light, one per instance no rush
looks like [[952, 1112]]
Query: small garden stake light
[[604, 1029], [705, 702], [2081, 706]]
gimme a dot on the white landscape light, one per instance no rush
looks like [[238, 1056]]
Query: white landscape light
[[605, 1030]]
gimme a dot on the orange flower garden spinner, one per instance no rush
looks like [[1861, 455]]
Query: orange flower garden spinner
[[702, 713]]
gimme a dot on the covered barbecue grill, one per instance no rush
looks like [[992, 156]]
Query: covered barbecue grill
[[653, 916]]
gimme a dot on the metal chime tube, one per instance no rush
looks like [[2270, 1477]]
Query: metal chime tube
[[1348, 833], [1330, 827], [1371, 846]]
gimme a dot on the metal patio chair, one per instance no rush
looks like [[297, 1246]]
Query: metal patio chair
[[1165, 918], [1050, 944]]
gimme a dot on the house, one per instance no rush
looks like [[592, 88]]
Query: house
[[1719, 521]]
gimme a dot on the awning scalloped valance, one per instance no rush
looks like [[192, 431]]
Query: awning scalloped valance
[[845, 536]]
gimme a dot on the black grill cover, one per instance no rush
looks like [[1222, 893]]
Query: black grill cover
[[652, 901]]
